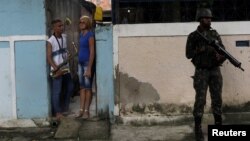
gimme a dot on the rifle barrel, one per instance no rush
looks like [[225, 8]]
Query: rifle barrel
[[232, 60]]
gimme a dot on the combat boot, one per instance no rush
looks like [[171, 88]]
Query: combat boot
[[198, 130], [217, 119]]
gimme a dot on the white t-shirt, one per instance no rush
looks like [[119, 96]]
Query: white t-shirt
[[58, 57]]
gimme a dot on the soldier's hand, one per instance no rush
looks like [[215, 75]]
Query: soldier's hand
[[220, 57]]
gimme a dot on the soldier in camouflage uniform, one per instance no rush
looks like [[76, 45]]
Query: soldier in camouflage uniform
[[207, 62]]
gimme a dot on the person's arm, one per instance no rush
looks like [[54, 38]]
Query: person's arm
[[91, 56], [190, 51], [51, 62], [220, 58], [220, 41], [49, 56]]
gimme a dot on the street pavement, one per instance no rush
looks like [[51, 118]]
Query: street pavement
[[124, 128], [95, 129]]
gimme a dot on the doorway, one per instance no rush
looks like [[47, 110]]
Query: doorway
[[70, 10]]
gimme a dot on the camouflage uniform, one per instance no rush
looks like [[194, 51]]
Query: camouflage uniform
[[207, 72]]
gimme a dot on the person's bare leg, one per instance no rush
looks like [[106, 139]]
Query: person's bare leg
[[82, 102], [87, 103]]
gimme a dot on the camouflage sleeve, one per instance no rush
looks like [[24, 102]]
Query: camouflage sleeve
[[190, 47], [222, 58], [219, 39]]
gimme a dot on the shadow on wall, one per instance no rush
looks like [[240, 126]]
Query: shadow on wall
[[134, 92], [142, 97]]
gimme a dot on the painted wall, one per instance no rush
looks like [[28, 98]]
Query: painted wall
[[104, 69], [154, 75], [5, 81], [23, 77]]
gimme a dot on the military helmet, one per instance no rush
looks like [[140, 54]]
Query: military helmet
[[203, 12]]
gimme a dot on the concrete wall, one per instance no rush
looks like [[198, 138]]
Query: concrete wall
[[154, 76], [23, 80], [104, 75]]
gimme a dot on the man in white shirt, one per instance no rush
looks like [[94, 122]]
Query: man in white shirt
[[56, 55]]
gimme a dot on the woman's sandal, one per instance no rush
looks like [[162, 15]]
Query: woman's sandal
[[80, 114], [85, 115]]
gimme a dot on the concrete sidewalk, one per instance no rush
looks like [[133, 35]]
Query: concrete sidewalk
[[172, 128], [82, 130]]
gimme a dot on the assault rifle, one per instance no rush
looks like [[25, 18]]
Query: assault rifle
[[218, 47]]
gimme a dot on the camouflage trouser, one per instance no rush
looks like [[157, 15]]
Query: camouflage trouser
[[202, 80]]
